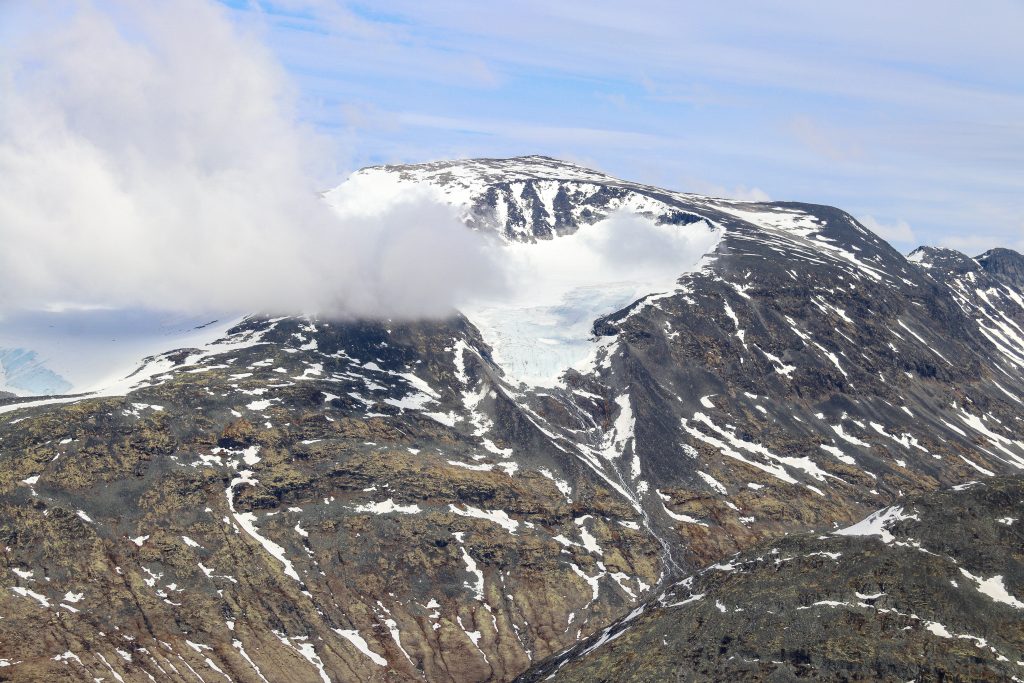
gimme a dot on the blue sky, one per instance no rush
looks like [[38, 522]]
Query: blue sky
[[909, 115]]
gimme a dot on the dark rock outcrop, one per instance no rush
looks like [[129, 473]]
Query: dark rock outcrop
[[926, 590]]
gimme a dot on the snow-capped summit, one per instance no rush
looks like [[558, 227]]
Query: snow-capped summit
[[523, 199]]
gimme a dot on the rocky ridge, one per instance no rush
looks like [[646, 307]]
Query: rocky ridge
[[925, 590]]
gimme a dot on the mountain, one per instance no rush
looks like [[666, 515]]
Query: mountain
[[461, 499]]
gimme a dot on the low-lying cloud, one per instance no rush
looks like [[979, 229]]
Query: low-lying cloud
[[900, 231], [150, 157]]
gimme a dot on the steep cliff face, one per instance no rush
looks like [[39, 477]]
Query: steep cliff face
[[305, 499], [1005, 264]]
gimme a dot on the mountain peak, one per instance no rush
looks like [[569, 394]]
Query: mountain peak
[[948, 260], [1004, 263]]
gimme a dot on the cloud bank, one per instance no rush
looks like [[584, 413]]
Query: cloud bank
[[150, 157]]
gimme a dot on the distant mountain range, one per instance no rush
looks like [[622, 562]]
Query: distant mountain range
[[611, 475]]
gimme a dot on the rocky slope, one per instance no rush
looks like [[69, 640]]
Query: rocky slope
[[306, 499], [925, 590], [294, 501]]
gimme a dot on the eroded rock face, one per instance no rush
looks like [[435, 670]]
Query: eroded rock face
[[1004, 263], [307, 499], [926, 590]]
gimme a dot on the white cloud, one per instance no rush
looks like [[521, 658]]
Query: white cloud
[[742, 192], [753, 194], [562, 285], [900, 231], [150, 157]]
